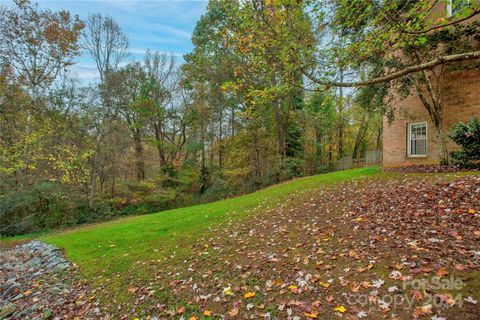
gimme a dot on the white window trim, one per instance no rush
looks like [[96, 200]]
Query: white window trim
[[409, 137], [450, 8]]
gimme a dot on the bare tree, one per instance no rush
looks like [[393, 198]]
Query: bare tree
[[106, 43], [165, 96], [108, 46]]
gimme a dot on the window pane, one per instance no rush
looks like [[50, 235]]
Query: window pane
[[421, 147], [418, 139]]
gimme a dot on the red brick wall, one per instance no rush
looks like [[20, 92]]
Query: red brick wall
[[461, 96]]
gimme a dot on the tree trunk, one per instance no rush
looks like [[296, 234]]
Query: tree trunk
[[340, 125], [444, 159], [158, 143], [139, 158], [94, 174], [93, 187], [435, 110], [360, 134], [220, 137], [319, 146], [379, 138], [113, 184], [281, 134], [256, 156], [232, 120]]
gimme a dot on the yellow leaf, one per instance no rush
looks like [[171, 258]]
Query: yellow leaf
[[324, 284], [207, 313], [293, 288], [249, 295], [311, 315], [192, 318], [341, 309], [227, 291], [471, 211]]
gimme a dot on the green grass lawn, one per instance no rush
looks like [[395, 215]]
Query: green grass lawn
[[119, 244]]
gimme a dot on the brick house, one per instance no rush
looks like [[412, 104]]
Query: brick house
[[411, 138]]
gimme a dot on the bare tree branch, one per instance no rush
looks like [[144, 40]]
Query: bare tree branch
[[451, 23], [468, 56]]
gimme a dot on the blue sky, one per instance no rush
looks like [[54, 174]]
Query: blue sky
[[164, 25]]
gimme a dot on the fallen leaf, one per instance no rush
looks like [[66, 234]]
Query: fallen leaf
[[311, 315], [442, 272], [341, 309], [423, 310], [233, 312], [207, 313], [471, 300]]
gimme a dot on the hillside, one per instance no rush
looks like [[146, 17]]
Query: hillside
[[360, 243]]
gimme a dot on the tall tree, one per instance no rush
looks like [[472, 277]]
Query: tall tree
[[108, 47], [106, 43], [37, 44]]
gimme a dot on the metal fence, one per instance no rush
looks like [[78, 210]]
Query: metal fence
[[371, 158]]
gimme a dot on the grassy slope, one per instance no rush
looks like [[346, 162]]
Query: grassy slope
[[119, 245]]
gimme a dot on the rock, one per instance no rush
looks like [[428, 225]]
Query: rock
[[42, 264], [11, 291], [61, 267], [17, 297], [37, 261], [7, 310], [55, 290]]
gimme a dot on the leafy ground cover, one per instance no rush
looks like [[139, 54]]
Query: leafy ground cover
[[128, 251], [352, 244]]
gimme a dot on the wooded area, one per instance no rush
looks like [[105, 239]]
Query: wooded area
[[260, 99]]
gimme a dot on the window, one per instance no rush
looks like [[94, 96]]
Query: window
[[456, 6], [417, 139]]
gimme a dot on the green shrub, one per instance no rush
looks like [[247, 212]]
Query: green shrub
[[293, 168], [467, 136], [45, 205]]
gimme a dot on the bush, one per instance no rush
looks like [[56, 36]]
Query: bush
[[293, 168], [220, 188], [45, 205], [467, 136]]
